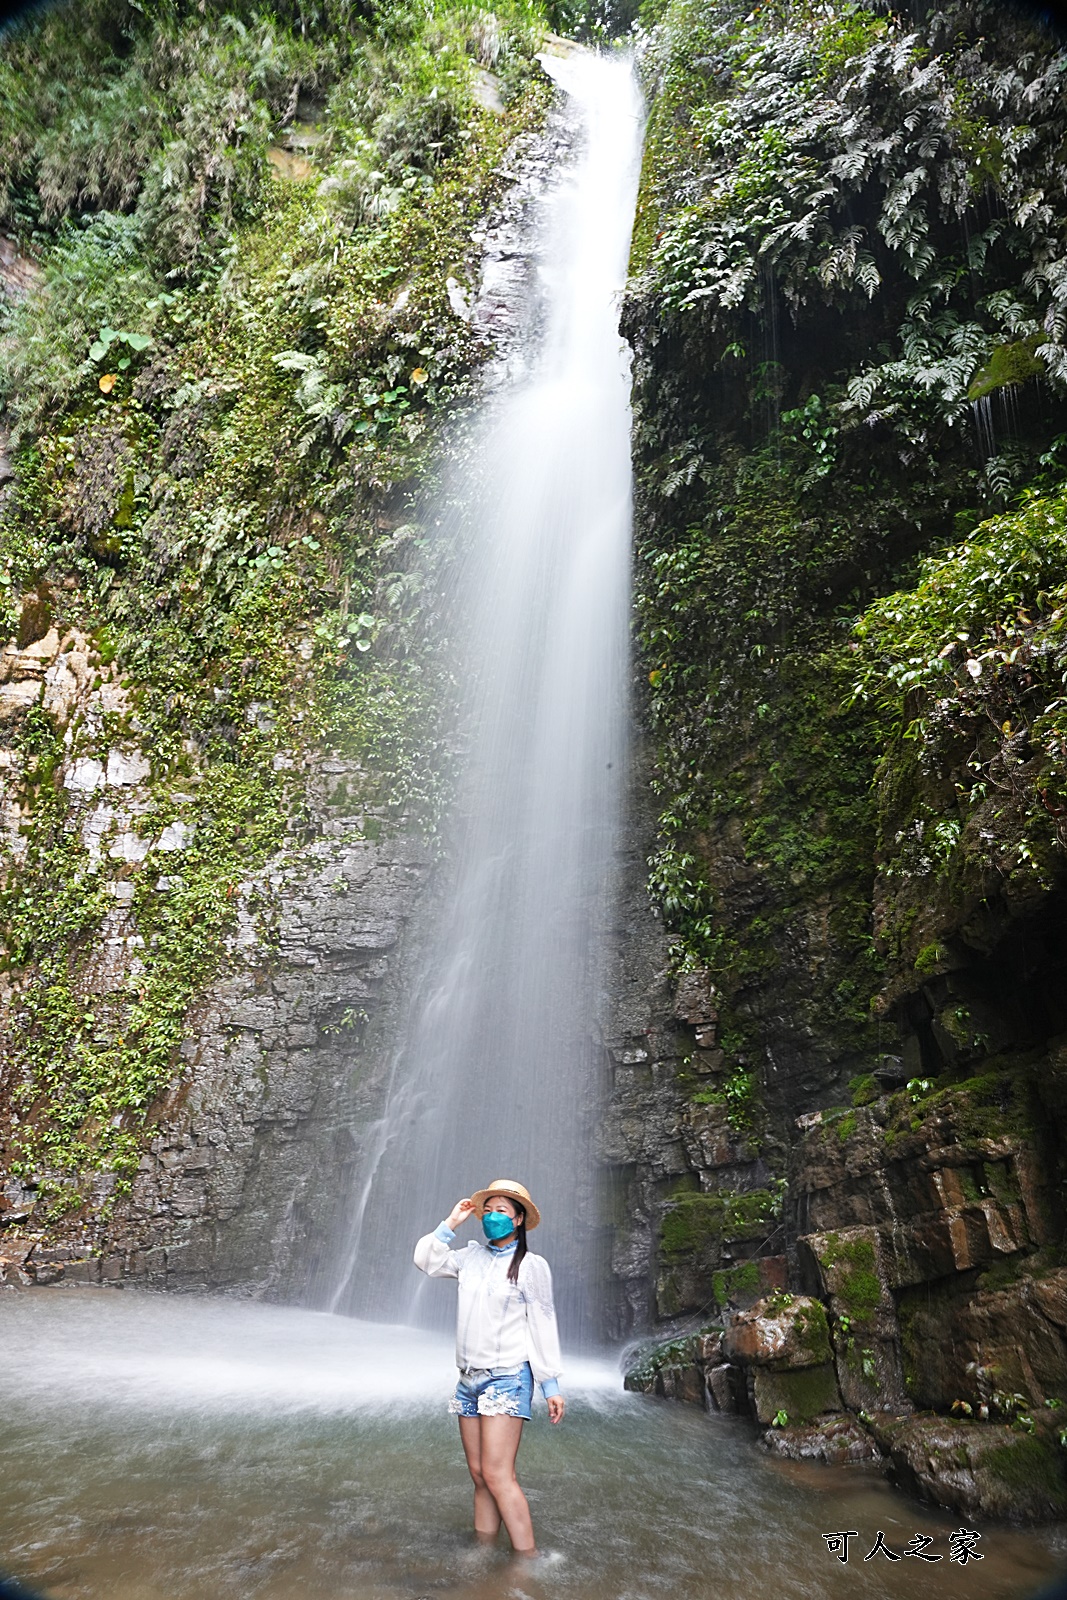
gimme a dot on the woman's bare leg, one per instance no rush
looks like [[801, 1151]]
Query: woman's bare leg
[[499, 1445], [486, 1515]]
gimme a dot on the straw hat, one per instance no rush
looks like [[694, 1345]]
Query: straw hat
[[510, 1190]]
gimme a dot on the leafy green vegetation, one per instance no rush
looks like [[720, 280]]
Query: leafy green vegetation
[[739, 1094], [849, 413], [970, 662], [229, 390]]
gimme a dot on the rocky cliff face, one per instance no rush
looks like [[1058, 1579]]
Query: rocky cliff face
[[853, 710], [281, 1055], [690, 1196], [834, 1032], [224, 725]]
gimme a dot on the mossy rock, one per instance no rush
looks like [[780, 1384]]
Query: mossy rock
[[1008, 366], [1031, 1468], [863, 1089], [782, 1331], [801, 1396], [849, 1266], [978, 1469], [737, 1285], [675, 1354], [694, 1225]]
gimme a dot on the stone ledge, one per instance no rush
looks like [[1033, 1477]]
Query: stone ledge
[[978, 1468]]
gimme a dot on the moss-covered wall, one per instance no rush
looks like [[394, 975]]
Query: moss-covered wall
[[847, 313], [256, 237]]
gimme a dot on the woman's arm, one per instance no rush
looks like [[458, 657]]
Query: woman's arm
[[433, 1253]]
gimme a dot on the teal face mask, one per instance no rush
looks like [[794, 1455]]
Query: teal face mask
[[497, 1225]]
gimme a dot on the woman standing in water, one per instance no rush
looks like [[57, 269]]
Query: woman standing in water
[[505, 1340]]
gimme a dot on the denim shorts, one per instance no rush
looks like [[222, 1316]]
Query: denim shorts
[[482, 1392]]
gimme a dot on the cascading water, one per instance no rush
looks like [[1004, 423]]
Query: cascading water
[[496, 1073]]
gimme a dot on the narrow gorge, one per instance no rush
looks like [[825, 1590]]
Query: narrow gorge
[[768, 924]]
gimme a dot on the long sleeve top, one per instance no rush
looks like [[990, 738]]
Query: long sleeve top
[[500, 1325]]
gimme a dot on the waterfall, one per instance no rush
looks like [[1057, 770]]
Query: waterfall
[[497, 1073]]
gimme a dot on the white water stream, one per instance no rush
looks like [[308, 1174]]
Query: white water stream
[[497, 1073]]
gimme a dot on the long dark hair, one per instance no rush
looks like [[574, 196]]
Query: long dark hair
[[520, 1249]]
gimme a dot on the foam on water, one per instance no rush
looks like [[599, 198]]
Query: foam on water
[[150, 1353]]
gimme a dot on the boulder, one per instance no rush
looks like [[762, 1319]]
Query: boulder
[[785, 1332], [691, 1370], [977, 1469], [838, 1441], [685, 1383], [726, 1389]]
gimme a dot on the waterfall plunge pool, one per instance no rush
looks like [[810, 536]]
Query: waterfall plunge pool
[[177, 1448]]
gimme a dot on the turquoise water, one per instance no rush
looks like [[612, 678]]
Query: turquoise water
[[181, 1449]]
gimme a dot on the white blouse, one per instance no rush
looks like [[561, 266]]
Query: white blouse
[[501, 1325]]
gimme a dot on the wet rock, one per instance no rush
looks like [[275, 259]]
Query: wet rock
[[694, 1000], [685, 1383], [709, 1140], [726, 1389], [837, 1441], [785, 1332], [869, 1369], [691, 1370], [783, 1344], [280, 1061], [926, 1246], [47, 1272], [505, 306], [980, 1470], [851, 1271], [853, 1276], [1049, 1296], [968, 1344], [83, 1272]]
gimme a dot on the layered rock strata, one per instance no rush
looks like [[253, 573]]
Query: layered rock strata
[[694, 1225], [934, 1330]]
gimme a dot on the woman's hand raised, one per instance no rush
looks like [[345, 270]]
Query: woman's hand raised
[[459, 1213]]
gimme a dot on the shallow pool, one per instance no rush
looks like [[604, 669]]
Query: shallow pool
[[166, 1448]]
